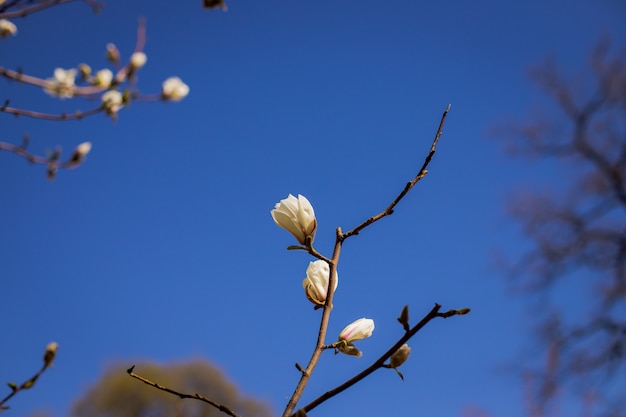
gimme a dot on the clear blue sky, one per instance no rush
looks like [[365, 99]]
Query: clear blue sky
[[162, 247]]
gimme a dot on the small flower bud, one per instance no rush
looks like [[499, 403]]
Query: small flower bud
[[112, 101], [62, 84], [7, 28], [357, 330], [400, 356], [103, 78], [84, 70], [78, 156], [113, 54], [51, 351], [138, 60], [174, 89]]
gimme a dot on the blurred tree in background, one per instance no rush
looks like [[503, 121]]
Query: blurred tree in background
[[576, 263], [117, 395]]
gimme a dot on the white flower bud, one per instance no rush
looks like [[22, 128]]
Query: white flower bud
[[296, 215], [7, 28], [112, 101], [316, 282], [62, 84], [174, 89], [104, 77], [138, 60], [357, 330]]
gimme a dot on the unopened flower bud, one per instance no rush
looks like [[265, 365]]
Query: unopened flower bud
[[78, 156], [138, 60], [62, 83], [103, 78], [316, 282], [51, 351], [174, 89], [113, 54], [296, 215], [357, 330], [7, 28], [84, 70], [112, 101], [400, 356]]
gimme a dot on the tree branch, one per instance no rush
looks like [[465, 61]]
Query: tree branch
[[333, 262], [181, 395], [421, 174], [380, 362]]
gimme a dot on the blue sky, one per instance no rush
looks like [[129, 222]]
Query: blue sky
[[161, 245]]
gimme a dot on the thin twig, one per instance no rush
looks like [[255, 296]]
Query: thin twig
[[49, 116], [42, 6], [23, 152], [421, 174], [180, 395]]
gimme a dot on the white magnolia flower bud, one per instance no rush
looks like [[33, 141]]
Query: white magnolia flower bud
[[7, 28], [357, 330], [400, 356], [104, 77], [174, 89], [50, 353], [138, 60], [316, 282], [112, 101], [62, 84], [296, 215]]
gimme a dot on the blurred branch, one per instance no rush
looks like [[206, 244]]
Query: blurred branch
[[53, 160], [181, 395], [78, 115], [579, 231], [45, 4]]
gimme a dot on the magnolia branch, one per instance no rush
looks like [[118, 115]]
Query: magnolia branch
[[78, 115], [181, 395], [42, 6], [421, 174], [332, 263], [48, 358], [380, 362], [52, 161]]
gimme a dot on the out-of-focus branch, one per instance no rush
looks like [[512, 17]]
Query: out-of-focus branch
[[78, 115], [53, 161], [26, 10], [580, 229], [181, 395]]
